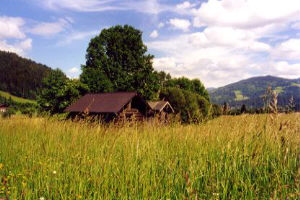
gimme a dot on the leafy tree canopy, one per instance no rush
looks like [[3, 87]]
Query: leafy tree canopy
[[193, 85], [59, 92], [117, 60]]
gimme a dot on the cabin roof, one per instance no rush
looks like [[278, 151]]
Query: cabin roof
[[3, 106], [102, 102], [159, 105]]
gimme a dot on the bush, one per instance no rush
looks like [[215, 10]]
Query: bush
[[192, 107], [28, 111], [216, 110], [8, 113]]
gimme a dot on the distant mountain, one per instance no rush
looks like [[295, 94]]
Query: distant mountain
[[250, 91], [20, 76], [211, 89]]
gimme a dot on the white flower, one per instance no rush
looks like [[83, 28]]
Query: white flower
[[42, 198], [54, 172]]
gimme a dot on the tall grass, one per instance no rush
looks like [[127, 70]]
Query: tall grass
[[244, 157]]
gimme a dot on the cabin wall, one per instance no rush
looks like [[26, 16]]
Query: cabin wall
[[130, 114], [3, 109]]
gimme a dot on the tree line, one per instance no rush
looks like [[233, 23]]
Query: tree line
[[20, 76]]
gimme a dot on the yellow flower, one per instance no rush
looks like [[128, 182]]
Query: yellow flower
[[1, 165]]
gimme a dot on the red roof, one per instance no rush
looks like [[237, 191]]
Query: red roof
[[102, 102]]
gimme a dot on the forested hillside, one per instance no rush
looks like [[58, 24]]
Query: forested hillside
[[251, 91], [20, 76]]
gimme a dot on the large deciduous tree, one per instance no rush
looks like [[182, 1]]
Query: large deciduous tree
[[117, 60]]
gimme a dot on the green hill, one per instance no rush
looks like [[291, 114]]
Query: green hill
[[15, 98], [20, 76], [250, 91]]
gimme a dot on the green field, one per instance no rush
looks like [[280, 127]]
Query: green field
[[16, 99], [239, 96], [231, 157], [279, 90]]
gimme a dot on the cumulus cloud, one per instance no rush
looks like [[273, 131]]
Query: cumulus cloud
[[18, 47], [181, 24], [154, 34], [11, 27], [12, 35], [238, 39], [197, 56], [246, 14], [185, 5], [289, 50]]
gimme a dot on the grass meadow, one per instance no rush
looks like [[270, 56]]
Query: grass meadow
[[15, 98], [231, 157]]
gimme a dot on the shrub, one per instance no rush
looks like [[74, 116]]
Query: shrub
[[216, 110], [192, 107], [9, 112]]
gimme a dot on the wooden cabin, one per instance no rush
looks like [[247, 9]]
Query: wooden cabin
[[3, 108], [118, 106], [160, 109]]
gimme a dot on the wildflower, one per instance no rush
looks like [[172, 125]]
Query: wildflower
[[54, 172], [42, 198], [1, 165]]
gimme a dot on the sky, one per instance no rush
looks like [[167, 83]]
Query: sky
[[217, 41]]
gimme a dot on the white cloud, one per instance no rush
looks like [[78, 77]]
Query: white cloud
[[77, 36], [12, 36], [237, 41], [19, 47], [196, 55], [246, 14], [286, 70], [144, 6], [73, 72], [154, 34], [288, 50], [185, 5], [50, 28], [182, 24], [11, 27]]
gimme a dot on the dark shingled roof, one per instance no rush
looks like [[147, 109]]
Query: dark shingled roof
[[159, 105], [102, 102]]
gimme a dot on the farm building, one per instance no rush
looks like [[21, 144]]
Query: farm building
[[160, 109], [3, 108], [119, 106]]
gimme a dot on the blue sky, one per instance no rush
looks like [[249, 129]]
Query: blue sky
[[217, 41]]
